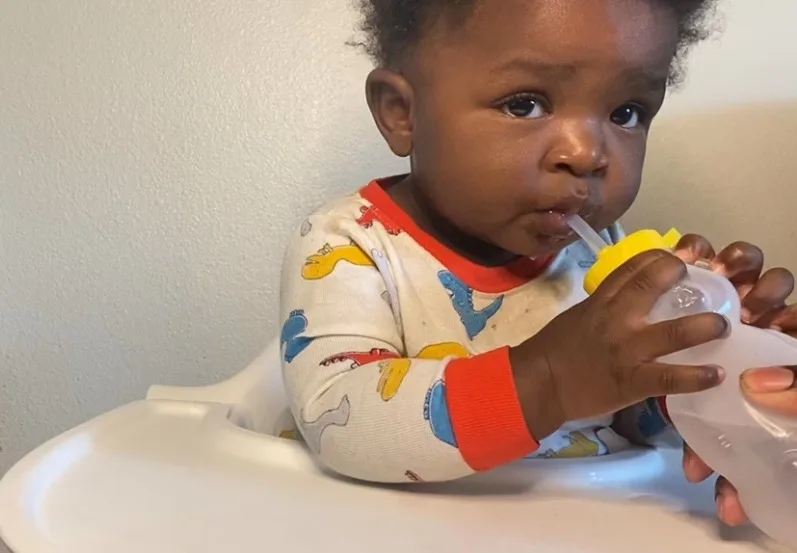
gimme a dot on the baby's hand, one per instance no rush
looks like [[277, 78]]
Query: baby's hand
[[763, 296], [600, 356]]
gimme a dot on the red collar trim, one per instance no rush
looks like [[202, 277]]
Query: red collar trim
[[491, 280]]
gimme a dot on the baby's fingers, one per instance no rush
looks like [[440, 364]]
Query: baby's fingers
[[768, 295], [692, 248], [741, 263], [786, 321], [661, 379], [675, 335]]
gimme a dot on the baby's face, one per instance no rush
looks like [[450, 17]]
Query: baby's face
[[538, 108]]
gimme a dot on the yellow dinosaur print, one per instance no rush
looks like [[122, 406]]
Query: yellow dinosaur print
[[439, 352], [288, 435], [322, 264], [580, 446], [393, 372]]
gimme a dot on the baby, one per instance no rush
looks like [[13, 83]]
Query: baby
[[435, 323]]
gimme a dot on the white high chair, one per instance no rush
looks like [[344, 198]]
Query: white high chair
[[199, 470]]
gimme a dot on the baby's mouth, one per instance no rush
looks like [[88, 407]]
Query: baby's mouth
[[551, 224]]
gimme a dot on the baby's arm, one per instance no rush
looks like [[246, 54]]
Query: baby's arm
[[368, 408]]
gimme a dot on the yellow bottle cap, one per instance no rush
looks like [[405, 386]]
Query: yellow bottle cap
[[612, 257]]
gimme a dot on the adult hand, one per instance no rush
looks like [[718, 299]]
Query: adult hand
[[770, 389], [763, 305]]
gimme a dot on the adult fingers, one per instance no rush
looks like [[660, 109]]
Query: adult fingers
[[729, 508], [768, 380], [772, 389], [695, 469]]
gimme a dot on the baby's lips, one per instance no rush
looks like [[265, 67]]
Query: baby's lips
[[573, 206]]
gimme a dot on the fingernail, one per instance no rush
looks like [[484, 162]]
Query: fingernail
[[684, 255], [764, 381], [747, 316], [719, 268], [728, 327], [716, 374]]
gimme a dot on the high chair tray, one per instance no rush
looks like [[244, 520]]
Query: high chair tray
[[161, 476]]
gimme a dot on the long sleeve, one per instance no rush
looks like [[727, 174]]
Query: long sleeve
[[367, 407]]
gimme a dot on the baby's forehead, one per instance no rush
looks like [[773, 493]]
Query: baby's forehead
[[560, 32]]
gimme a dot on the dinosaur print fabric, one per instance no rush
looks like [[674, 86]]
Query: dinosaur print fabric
[[395, 349]]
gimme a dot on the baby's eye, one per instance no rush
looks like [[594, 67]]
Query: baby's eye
[[628, 116], [524, 107]]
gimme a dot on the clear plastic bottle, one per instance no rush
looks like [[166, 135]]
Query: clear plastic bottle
[[701, 292], [755, 450]]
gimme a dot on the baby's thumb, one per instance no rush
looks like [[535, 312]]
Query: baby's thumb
[[765, 381]]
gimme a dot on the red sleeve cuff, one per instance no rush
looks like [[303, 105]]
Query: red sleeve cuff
[[662, 401], [485, 411]]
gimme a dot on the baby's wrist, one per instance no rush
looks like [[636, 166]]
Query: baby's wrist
[[536, 392]]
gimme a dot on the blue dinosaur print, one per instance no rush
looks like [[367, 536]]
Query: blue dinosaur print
[[290, 338], [435, 410], [462, 299], [588, 263], [586, 258], [651, 421]]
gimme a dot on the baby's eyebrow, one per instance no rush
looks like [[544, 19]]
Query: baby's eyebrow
[[637, 77], [531, 65], [632, 75]]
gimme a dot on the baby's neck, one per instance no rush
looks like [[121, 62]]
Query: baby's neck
[[411, 199]]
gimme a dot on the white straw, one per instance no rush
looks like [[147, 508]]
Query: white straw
[[587, 234]]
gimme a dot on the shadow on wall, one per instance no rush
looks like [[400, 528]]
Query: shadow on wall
[[729, 175]]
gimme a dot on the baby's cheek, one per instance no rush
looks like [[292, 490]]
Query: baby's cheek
[[615, 197]]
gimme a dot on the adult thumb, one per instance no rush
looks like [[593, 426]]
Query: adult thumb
[[767, 381]]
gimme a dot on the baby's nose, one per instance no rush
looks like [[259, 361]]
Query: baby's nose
[[579, 148]]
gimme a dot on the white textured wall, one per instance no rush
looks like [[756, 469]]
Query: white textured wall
[[154, 155]]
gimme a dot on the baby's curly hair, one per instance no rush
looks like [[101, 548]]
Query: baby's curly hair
[[392, 27]]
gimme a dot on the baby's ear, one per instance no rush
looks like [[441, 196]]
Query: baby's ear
[[390, 98]]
